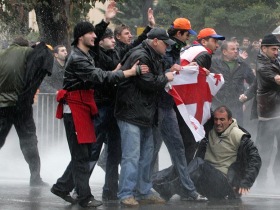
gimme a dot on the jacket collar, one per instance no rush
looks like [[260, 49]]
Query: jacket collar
[[195, 43], [151, 50]]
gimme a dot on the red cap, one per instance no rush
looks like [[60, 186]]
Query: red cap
[[209, 32], [184, 24]]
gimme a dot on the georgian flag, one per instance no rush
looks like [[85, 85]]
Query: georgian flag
[[192, 91]]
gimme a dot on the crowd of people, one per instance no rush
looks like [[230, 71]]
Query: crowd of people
[[111, 90]]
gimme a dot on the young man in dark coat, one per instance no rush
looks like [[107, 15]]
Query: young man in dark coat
[[200, 52], [167, 182], [167, 129]]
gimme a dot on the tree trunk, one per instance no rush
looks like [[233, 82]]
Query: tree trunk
[[52, 20], [22, 19], [146, 5]]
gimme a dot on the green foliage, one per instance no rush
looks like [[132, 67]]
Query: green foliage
[[129, 14], [132, 13], [253, 18]]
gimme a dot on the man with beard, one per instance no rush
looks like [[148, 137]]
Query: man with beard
[[76, 102]]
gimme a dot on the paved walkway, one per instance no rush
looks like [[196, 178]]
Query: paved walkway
[[17, 195]]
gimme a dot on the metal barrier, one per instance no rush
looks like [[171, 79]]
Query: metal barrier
[[50, 130]]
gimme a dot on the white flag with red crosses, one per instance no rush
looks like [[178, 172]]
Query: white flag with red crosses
[[193, 91]]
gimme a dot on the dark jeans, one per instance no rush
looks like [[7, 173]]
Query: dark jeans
[[267, 132], [107, 131], [24, 124], [209, 181], [77, 173], [168, 131]]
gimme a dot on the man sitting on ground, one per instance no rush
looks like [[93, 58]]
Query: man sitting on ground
[[231, 163]]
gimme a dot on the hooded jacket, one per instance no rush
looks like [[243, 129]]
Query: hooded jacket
[[21, 78], [12, 68]]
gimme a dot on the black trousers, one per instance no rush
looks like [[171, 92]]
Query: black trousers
[[268, 131], [107, 131], [24, 124], [77, 173]]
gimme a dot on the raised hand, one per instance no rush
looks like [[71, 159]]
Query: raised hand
[[151, 18], [111, 11]]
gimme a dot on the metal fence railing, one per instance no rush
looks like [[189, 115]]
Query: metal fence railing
[[50, 130]]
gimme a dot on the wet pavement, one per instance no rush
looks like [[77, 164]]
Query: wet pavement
[[17, 194]]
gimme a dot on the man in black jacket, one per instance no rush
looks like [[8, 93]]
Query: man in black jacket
[[235, 72], [135, 110], [167, 129], [268, 105], [76, 102], [106, 127], [200, 52], [231, 161]]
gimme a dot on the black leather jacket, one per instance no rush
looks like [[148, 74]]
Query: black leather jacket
[[244, 171], [105, 93], [268, 93], [136, 100], [81, 73]]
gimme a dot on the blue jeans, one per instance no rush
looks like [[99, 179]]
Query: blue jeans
[[137, 151], [168, 131]]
